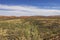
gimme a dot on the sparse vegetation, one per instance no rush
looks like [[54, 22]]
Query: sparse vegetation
[[29, 28]]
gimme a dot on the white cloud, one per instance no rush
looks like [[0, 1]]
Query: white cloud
[[26, 10]]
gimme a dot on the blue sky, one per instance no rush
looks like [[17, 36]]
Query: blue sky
[[39, 3], [29, 7]]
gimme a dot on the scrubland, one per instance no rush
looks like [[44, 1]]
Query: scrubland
[[29, 28]]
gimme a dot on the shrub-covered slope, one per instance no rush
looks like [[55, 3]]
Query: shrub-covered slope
[[30, 28]]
